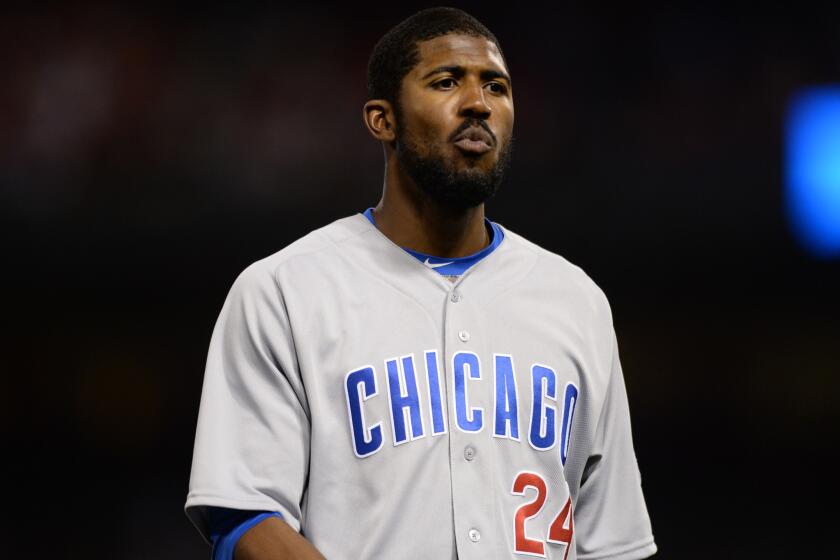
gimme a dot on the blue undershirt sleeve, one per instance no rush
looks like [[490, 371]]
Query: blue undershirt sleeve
[[228, 525]]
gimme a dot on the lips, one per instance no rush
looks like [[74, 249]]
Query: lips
[[474, 140]]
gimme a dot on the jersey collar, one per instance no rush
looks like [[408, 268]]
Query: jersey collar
[[452, 266]]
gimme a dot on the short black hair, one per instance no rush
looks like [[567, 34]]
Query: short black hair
[[397, 52]]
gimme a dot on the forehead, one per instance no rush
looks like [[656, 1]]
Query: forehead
[[458, 50]]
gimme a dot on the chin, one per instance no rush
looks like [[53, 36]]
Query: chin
[[485, 162]]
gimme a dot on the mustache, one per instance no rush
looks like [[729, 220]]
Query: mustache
[[471, 122]]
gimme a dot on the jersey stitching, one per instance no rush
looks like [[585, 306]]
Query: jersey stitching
[[589, 286], [515, 282], [279, 259], [333, 245], [282, 301], [386, 282]]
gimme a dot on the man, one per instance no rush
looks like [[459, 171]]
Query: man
[[416, 381]]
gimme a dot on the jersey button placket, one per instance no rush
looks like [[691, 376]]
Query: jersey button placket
[[469, 476]]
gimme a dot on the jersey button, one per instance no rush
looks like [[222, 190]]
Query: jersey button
[[456, 297], [464, 336], [469, 453], [475, 536]]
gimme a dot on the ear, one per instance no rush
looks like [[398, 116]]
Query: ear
[[380, 120]]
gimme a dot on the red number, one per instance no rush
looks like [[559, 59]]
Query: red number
[[558, 533], [524, 544], [561, 529]]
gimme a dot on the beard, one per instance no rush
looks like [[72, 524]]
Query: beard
[[437, 177]]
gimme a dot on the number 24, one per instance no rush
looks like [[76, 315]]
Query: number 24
[[558, 533]]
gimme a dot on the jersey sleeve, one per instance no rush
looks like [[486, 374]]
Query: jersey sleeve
[[252, 439], [611, 518]]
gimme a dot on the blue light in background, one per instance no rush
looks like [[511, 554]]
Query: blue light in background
[[813, 169]]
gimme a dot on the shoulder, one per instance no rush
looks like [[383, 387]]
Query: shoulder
[[320, 248], [554, 272], [324, 243]]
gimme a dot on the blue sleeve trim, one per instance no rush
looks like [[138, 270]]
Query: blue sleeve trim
[[228, 525]]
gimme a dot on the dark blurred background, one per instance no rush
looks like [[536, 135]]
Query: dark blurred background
[[147, 155]]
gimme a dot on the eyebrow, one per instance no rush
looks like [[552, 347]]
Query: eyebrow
[[459, 72]]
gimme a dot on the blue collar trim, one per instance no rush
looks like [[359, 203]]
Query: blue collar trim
[[457, 266]]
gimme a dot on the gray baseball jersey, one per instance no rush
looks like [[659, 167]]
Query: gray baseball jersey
[[387, 412]]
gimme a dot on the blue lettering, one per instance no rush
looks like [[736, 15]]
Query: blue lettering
[[438, 425], [404, 401], [544, 384], [365, 442], [569, 403], [507, 411], [469, 419]]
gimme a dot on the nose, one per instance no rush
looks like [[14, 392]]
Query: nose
[[474, 104]]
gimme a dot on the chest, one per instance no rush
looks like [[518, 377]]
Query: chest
[[398, 366]]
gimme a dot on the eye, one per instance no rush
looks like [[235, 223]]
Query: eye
[[497, 87], [446, 83]]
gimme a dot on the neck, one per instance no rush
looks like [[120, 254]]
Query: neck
[[410, 219]]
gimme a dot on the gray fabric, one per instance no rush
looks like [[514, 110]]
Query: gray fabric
[[275, 422]]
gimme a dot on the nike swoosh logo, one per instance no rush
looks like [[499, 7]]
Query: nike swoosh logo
[[433, 265]]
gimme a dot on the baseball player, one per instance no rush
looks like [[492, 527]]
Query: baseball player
[[417, 381]]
